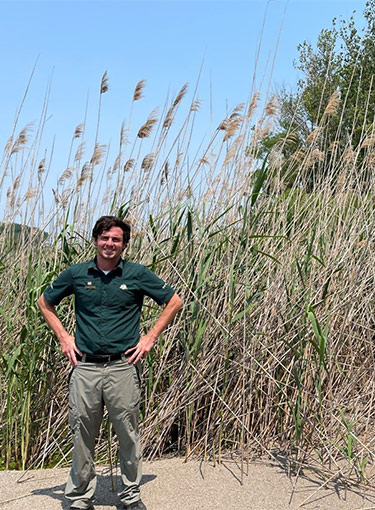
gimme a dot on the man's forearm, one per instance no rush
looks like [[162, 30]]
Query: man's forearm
[[67, 342], [50, 316], [166, 317]]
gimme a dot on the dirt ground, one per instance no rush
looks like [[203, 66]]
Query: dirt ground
[[172, 484]]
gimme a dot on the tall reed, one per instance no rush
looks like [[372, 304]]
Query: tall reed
[[273, 350]]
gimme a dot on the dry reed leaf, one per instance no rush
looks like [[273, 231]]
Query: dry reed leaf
[[80, 151], [314, 135], [253, 104], [333, 104], [147, 162], [138, 92], [129, 165], [104, 83], [55, 196], [98, 153], [369, 141], [78, 131], [195, 105], [272, 107]]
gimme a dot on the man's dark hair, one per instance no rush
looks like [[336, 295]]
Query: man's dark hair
[[107, 222]]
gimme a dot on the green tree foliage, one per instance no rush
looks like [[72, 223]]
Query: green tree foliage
[[333, 109]]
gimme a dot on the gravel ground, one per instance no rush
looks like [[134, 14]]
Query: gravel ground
[[172, 484]]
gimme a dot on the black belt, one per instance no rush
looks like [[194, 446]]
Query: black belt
[[98, 358]]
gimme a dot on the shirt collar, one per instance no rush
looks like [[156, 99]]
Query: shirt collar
[[118, 269]]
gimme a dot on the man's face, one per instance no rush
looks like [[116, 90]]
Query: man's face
[[109, 244]]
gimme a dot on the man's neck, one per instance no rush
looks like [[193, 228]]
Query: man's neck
[[106, 265]]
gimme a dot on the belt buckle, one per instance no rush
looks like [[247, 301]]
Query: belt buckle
[[107, 358]]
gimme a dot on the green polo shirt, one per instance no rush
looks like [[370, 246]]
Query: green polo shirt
[[108, 307]]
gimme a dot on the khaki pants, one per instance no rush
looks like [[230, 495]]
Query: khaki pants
[[117, 386]]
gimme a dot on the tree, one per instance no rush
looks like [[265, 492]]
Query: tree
[[333, 108]]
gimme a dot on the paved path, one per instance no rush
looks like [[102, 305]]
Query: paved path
[[172, 484]]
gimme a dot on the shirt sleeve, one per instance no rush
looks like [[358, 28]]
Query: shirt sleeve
[[155, 287], [60, 288]]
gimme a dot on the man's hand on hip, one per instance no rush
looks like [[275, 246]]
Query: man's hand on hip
[[69, 348], [141, 350]]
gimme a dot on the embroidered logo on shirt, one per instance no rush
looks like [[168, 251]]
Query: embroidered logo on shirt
[[90, 286], [123, 287]]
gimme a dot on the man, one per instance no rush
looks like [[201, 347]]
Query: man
[[106, 354]]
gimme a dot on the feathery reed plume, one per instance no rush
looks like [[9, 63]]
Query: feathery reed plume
[[297, 156], [229, 155], [9, 144], [233, 125], [16, 182], [166, 170], [349, 155], [369, 141], [79, 152], [171, 112], [315, 156], [78, 131], [253, 104], [104, 83], [195, 105], [65, 198], [181, 95], [122, 134], [30, 193], [333, 104], [237, 110], [86, 173], [178, 161], [42, 166], [272, 107], [22, 139], [97, 154], [116, 164], [146, 130], [138, 92], [223, 126], [314, 135], [147, 162], [129, 165], [66, 175]]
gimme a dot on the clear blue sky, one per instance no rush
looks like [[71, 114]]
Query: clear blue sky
[[73, 43]]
